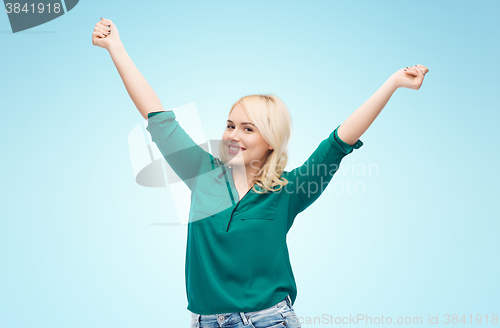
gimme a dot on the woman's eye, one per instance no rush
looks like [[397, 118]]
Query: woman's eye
[[230, 126]]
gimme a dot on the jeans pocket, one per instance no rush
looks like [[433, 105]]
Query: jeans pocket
[[267, 318]]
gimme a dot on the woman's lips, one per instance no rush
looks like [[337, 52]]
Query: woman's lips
[[235, 151]]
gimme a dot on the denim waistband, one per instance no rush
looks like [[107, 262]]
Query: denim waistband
[[221, 317]]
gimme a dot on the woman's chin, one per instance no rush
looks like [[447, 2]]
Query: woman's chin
[[236, 160]]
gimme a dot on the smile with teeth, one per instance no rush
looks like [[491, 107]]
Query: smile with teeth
[[235, 149]]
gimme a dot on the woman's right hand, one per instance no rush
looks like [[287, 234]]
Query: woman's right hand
[[105, 34]]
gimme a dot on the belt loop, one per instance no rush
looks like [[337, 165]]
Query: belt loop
[[289, 301], [244, 318]]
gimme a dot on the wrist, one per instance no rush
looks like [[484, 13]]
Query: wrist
[[116, 46], [393, 82]]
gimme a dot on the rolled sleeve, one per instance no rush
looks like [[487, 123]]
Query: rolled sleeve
[[341, 144], [163, 111]]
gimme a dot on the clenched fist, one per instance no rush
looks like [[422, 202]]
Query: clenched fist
[[105, 34], [410, 77]]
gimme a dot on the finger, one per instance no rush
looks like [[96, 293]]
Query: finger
[[420, 73], [411, 71], [103, 25], [102, 29], [423, 68], [106, 21], [99, 34]]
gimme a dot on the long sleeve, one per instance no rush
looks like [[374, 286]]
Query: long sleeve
[[311, 178], [184, 156]]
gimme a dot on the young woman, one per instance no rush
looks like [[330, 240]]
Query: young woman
[[238, 272]]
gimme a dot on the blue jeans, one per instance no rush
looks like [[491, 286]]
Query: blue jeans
[[281, 315]]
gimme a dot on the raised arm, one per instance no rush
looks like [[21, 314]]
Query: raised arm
[[186, 158], [359, 121], [311, 178], [145, 99]]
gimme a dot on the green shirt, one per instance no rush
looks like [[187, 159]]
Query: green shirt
[[237, 256]]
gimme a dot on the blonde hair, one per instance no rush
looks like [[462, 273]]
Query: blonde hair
[[271, 116]]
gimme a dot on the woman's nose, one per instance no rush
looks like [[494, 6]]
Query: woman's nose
[[234, 135]]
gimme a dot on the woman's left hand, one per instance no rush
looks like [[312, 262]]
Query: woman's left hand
[[410, 77]]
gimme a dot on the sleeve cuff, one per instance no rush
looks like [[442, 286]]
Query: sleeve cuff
[[155, 113], [160, 120], [344, 146]]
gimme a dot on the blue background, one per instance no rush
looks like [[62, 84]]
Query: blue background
[[82, 246]]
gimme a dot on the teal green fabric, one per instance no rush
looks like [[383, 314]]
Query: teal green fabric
[[236, 254]]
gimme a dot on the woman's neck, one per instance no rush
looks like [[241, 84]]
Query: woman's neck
[[244, 176]]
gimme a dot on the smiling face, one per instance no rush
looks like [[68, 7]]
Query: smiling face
[[250, 147]]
